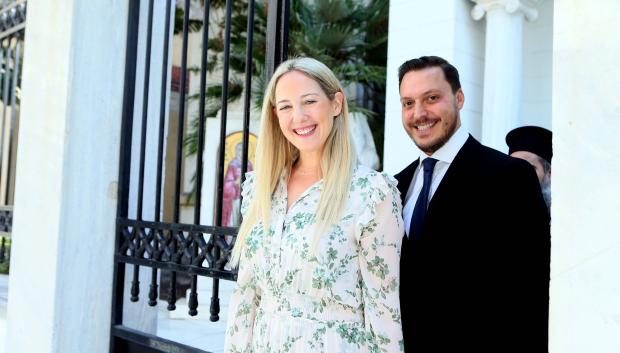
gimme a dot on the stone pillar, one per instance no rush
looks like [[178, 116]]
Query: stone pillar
[[60, 287], [503, 65], [585, 258]]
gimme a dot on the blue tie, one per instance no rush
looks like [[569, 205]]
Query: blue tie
[[419, 211]]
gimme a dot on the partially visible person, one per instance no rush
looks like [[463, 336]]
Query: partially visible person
[[533, 144], [475, 258], [319, 246]]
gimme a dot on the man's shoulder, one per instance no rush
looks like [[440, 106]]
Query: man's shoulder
[[493, 160], [507, 181], [406, 170]]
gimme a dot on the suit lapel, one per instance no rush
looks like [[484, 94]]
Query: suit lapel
[[455, 177], [461, 167]]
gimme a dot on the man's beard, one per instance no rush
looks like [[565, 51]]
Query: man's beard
[[441, 140], [437, 145], [545, 187]]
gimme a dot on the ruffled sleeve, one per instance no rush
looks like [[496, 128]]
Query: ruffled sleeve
[[246, 297], [247, 191], [381, 230]]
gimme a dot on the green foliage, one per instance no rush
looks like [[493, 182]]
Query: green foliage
[[338, 33], [192, 26], [343, 34], [4, 266]]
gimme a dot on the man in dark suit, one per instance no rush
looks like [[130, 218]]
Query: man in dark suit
[[475, 257]]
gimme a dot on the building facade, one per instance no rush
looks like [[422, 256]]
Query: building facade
[[548, 63]]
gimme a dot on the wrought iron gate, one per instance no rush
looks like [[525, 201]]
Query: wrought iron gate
[[174, 247], [12, 25]]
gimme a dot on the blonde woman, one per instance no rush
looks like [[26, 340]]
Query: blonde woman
[[319, 247]]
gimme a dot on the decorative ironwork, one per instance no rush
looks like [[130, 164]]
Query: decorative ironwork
[[12, 18], [175, 247], [3, 250], [12, 26], [6, 219], [178, 247]]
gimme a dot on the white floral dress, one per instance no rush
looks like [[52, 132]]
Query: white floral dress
[[343, 297]]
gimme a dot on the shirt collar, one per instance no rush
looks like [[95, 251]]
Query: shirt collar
[[449, 150]]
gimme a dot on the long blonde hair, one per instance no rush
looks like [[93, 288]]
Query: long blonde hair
[[275, 154]]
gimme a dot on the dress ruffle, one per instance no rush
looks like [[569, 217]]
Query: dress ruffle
[[247, 191], [381, 185]]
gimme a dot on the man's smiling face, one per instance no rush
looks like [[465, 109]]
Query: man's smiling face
[[430, 110]]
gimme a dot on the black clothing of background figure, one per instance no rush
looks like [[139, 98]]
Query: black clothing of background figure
[[477, 277], [534, 145]]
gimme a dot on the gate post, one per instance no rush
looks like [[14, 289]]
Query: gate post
[[67, 170]]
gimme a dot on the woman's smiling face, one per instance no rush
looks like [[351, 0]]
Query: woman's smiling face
[[305, 113]]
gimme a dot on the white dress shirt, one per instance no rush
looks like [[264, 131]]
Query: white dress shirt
[[444, 156]]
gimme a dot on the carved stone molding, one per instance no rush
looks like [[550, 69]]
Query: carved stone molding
[[527, 7]]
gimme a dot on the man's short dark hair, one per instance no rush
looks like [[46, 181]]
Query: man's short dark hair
[[450, 72]]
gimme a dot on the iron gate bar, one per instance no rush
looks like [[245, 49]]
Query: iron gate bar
[[215, 300], [12, 121], [160, 145], [133, 246], [12, 26], [150, 341], [13, 17], [2, 248], [179, 227], [5, 231], [6, 215], [172, 295], [135, 283], [176, 247], [224, 116], [249, 48], [171, 266], [172, 258], [125, 157], [193, 296], [5, 94], [15, 29], [145, 107], [277, 35]]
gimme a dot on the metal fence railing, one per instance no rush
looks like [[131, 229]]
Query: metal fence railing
[[12, 27], [171, 246]]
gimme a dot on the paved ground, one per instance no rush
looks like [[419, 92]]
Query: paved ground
[[198, 332]]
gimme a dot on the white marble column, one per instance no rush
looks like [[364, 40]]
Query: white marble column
[[503, 65], [62, 254], [585, 251]]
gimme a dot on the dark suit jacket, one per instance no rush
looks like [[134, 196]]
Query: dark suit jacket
[[478, 278]]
